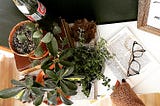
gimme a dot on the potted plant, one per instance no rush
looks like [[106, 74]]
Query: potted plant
[[62, 71], [24, 40]]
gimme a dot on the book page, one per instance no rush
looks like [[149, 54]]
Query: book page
[[120, 45]]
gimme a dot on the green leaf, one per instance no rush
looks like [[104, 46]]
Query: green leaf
[[38, 51], [35, 63], [64, 42], [21, 38], [47, 38], [37, 91], [26, 96], [38, 100], [37, 34], [71, 92], [51, 74], [60, 73], [68, 71], [19, 95], [30, 26], [53, 46], [46, 63], [10, 92], [29, 81], [66, 53], [36, 84], [71, 85], [37, 37], [52, 98], [66, 63], [75, 78], [56, 29], [86, 88], [64, 88], [51, 43], [36, 42], [50, 83], [65, 100], [17, 83]]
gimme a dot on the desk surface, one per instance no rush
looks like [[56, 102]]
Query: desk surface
[[151, 43]]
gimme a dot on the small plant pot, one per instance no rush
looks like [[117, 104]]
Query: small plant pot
[[31, 53]]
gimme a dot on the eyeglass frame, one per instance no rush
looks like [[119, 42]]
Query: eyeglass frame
[[132, 59]]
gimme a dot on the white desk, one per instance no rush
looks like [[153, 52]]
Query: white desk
[[151, 43]]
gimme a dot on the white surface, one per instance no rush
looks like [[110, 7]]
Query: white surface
[[151, 43], [7, 54], [121, 45]]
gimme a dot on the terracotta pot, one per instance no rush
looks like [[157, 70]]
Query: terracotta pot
[[31, 54], [40, 77]]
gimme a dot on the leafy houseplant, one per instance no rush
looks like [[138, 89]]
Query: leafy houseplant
[[25, 38], [62, 70]]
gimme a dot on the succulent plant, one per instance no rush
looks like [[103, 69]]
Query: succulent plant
[[27, 38]]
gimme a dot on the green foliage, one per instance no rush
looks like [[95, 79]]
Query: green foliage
[[80, 65], [10, 92], [46, 63], [65, 100], [89, 62], [30, 26], [21, 37], [38, 51], [56, 29], [51, 43], [37, 36], [59, 79], [85, 64], [30, 91]]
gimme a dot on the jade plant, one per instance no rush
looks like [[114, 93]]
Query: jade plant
[[64, 69]]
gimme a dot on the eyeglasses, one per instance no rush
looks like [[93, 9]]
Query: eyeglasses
[[134, 66]]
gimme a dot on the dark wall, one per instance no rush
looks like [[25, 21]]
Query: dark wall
[[102, 11], [9, 16]]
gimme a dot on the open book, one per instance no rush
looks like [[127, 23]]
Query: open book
[[120, 45]]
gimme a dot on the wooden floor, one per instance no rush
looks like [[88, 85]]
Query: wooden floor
[[8, 71]]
